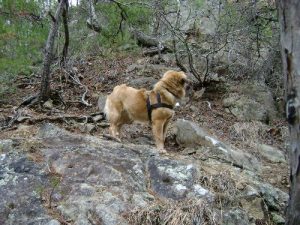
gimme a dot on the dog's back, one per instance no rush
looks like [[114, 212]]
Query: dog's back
[[126, 104]]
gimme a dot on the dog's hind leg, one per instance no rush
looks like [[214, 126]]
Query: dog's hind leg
[[158, 133], [165, 127], [114, 119]]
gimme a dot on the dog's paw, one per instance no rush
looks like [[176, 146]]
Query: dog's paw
[[162, 151]]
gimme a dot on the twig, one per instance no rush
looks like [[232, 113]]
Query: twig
[[15, 117], [29, 101], [77, 81], [111, 138], [209, 104]]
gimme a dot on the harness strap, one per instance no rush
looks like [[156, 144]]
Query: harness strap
[[159, 104]]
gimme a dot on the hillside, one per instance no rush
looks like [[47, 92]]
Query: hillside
[[226, 160]]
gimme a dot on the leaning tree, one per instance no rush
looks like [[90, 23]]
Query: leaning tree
[[290, 50], [48, 53]]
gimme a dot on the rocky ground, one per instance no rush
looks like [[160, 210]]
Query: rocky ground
[[227, 161]]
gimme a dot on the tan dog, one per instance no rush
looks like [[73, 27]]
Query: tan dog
[[126, 105]]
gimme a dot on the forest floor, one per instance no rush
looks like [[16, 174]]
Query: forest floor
[[100, 75]]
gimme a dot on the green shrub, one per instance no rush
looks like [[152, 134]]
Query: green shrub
[[22, 38]]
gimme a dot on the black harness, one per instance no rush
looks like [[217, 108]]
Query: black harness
[[159, 104]]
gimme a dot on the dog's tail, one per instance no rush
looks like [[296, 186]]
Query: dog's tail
[[106, 108]]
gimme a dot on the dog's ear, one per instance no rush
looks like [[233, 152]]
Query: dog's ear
[[182, 78]]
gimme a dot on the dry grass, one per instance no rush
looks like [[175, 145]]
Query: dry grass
[[223, 186], [173, 213], [248, 134]]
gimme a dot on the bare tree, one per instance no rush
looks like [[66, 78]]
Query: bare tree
[[48, 55], [290, 52], [67, 35]]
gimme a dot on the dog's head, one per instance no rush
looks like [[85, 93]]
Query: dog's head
[[176, 82]]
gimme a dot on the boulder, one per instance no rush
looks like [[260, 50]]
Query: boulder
[[190, 134], [234, 217], [175, 180], [92, 180], [48, 104], [251, 102], [20, 182], [272, 154], [245, 109]]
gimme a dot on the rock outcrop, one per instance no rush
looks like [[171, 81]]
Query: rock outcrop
[[65, 177]]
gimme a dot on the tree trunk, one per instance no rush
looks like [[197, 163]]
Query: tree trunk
[[48, 54], [290, 50], [67, 35], [93, 22]]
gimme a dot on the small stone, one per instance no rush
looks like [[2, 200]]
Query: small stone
[[193, 108], [103, 124], [97, 118], [53, 222], [48, 104], [277, 219], [198, 94], [138, 200], [23, 118], [240, 186]]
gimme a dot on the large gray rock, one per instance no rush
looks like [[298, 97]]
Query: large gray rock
[[20, 180], [251, 102], [271, 153], [175, 180], [103, 179], [234, 217], [245, 109], [190, 134], [94, 181], [273, 197]]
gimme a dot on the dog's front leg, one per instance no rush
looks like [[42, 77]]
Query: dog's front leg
[[158, 133], [114, 131]]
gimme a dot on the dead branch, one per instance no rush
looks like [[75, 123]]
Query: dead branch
[[178, 63], [153, 51], [29, 101], [57, 119], [62, 119], [14, 118], [111, 138], [52, 17], [77, 81]]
